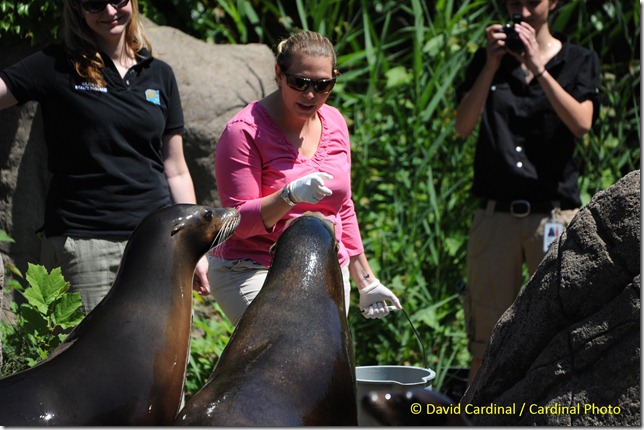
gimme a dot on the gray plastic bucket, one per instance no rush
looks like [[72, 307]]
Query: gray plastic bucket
[[390, 379]]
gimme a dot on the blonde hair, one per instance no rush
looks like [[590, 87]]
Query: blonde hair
[[80, 41], [307, 43]]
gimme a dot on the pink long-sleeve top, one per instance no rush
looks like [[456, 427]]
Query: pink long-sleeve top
[[254, 159]]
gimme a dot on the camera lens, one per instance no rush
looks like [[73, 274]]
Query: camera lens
[[513, 41]]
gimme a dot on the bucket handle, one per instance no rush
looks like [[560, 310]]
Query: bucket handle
[[420, 342], [413, 328]]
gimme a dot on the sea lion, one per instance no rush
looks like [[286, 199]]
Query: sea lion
[[125, 363], [290, 361], [413, 407]]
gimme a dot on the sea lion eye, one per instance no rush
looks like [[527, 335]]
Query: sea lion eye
[[209, 215]]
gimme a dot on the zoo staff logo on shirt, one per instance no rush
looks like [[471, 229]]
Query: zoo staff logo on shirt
[[153, 96], [88, 86]]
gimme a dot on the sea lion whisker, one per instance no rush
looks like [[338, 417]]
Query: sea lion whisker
[[225, 232], [215, 251]]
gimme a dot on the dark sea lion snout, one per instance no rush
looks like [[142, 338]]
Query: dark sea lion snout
[[206, 227], [225, 222], [309, 236], [308, 248]]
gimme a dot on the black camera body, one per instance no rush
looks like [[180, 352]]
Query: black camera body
[[513, 41]]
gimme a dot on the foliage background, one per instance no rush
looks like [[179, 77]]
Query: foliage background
[[400, 62]]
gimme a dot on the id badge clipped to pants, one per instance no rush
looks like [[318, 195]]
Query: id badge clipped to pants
[[551, 231]]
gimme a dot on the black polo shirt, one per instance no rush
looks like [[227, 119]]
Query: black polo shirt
[[524, 150], [104, 143]]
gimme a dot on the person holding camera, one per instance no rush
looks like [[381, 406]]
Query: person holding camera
[[534, 93]]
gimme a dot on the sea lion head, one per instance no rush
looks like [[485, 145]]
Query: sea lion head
[[184, 230], [326, 223], [200, 227], [308, 249]]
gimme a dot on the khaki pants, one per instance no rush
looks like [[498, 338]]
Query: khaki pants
[[499, 245], [89, 265], [235, 283]]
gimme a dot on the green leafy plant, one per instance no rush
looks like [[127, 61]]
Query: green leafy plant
[[211, 331], [41, 322]]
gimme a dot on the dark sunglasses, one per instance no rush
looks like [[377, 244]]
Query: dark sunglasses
[[99, 6], [322, 86]]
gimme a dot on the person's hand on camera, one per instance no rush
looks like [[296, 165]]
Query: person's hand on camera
[[310, 188], [495, 46], [373, 300], [530, 56]]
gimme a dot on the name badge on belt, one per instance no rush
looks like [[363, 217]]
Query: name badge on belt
[[551, 231]]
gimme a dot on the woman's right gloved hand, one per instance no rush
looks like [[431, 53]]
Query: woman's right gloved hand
[[310, 188], [373, 300]]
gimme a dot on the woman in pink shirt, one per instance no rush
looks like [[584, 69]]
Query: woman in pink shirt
[[278, 158]]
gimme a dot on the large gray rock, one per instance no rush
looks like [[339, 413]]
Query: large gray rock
[[215, 82], [568, 350]]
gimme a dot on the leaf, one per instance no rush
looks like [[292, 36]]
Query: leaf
[[4, 237], [397, 76], [66, 313], [13, 285], [33, 322], [13, 269], [44, 288]]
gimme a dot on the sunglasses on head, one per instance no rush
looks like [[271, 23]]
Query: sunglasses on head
[[322, 86], [99, 6]]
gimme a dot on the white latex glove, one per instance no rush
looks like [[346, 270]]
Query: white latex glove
[[310, 188], [372, 300]]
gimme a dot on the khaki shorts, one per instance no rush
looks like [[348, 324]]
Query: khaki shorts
[[499, 245], [89, 265], [235, 283]]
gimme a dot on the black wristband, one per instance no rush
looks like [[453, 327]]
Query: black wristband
[[538, 75]]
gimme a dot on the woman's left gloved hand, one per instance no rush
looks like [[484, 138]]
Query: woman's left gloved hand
[[373, 300]]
